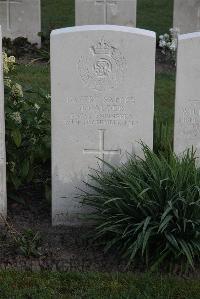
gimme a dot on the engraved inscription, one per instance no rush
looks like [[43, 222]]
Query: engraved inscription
[[190, 119], [103, 68], [101, 151], [98, 110]]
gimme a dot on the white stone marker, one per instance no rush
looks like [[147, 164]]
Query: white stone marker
[[102, 105], [21, 18], [114, 12], [187, 106], [3, 195], [187, 15]]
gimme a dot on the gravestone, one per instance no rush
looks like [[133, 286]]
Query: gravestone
[[187, 106], [3, 196], [21, 18], [187, 15], [114, 12], [102, 105]]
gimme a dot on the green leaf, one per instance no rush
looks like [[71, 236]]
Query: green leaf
[[16, 136], [146, 223], [164, 223], [172, 240], [187, 252], [145, 240], [15, 180], [25, 168]]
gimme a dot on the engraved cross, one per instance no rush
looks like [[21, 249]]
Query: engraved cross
[[8, 10], [101, 151], [105, 3]]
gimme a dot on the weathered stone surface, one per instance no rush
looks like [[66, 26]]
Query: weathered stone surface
[[187, 107], [21, 18], [3, 195], [102, 105], [187, 15], [113, 12]]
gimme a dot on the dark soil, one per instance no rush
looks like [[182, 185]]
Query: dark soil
[[163, 66], [62, 248]]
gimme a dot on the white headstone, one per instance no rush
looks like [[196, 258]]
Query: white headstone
[[187, 106], [102, 105], [21, 18], [3, 196], [114, 12], [187, 15]]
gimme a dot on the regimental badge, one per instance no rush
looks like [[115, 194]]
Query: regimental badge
[[104, 67]]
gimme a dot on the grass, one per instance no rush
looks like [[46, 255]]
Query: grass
[[46, 285], [151, 14], [57, 14], [35, 76], [156, 15], [164, 96]]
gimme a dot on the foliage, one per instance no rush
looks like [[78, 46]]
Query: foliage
[[162, 137], [19, 47], [148, 208], [165, 96], [29, 243], [154, 15], [168, 44], [8, 63], [27, 117], [74, 285]]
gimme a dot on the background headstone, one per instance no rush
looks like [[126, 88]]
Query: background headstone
[[21, 18], [187, 15], [102, 80], [3, 195], [187, 106], [114, 12]]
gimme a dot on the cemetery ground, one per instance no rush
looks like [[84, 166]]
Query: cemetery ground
[[57, 249], [46, 285]]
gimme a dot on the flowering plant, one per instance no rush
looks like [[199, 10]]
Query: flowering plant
[[168, 44], [8, 63], [27, 117]]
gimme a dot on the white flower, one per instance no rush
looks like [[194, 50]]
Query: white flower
[[173, 45], [8, 63], [168, 42], [48, 96], [17, 91], [162, 43], [37, 107], [8, 82], [11, 59], [16, 116]]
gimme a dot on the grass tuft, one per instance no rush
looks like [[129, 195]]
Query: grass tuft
[[148, 209]]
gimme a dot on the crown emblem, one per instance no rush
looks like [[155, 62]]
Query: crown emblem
[[102, 47]]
